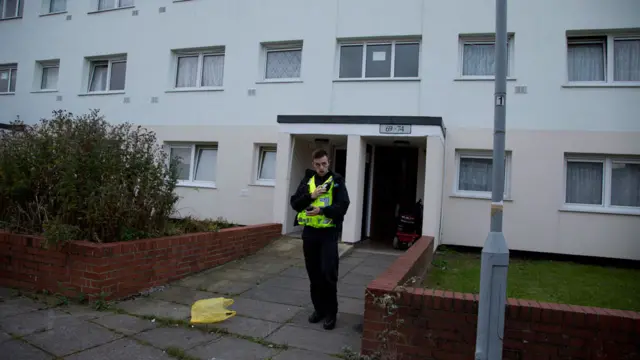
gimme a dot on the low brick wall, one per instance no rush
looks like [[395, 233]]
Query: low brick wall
[[439, 325], [123, 268]]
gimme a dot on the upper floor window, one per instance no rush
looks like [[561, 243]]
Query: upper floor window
[[8, 78], [604, 59], [200, 68], [56, 6], [478, 56], [379, 59], [282, 60], [10, 9], [114, 4], [107, 74], [49, 74]]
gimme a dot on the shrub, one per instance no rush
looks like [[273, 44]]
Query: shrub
[[79, 177]]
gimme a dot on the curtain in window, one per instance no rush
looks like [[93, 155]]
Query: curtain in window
[[99, 78], [4, 79], [213, 70], [182, 158], [478, 59], [283, 64], [625, 185], [626, 60], [187, 72], [10, 7], [49, 78], [206, 160], [586, 62], [13, 79], [268, 166], [475, 174], [106, 4], [58, 5], [584, 183]]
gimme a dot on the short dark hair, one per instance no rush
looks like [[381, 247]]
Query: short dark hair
[[319, 153]]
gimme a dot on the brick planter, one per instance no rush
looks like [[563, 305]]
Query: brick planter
[[123, 268], [440, 325]]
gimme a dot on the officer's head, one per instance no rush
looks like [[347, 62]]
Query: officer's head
[[320, 160]]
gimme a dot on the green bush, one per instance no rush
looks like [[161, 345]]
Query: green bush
[[79, 177]]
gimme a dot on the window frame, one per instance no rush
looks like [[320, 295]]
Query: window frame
[[193, 148], [18, 13], [481, 154], [262, 150], [42, 66], [279, 47], [201, 54], [11, 67], [110, 62], [468, 39], [50, 5], [607, 169], [392, 63], [608, 54], [117, 5]]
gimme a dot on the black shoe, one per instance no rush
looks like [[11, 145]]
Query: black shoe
[[315, 317], [329, 323]]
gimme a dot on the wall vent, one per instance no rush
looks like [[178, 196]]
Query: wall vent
[[521, 89], [59, 98], [135, 12], [251, 92], [154, 99], [126, 100], [69, 17], [162, 9]]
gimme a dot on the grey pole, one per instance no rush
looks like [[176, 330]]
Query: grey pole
[[495, 253]]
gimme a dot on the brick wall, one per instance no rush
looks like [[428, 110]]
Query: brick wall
[[439, 325], [123, 268]]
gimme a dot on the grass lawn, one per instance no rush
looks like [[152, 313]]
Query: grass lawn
[[542, 280]]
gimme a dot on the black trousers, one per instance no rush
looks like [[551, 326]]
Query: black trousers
[[320, 247]]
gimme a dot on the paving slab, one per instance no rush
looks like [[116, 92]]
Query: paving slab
[[238, 274], [357, 279], [297, 354], [230, 348], [291, 248], [123, 349], [267, 265], [245, 326], [19, 305], [368, 270], [71, 336], [125, 324], [220, 286], [379, 260], [7, 293], [288, 283], [327, 342], [153, 307], [296, 272], [352, 291], [350, 306], [82, 312], [348, 324], [279, 295], [182, 295], [264, 310], [19, 350], [180, 337], [4, 336], [35, 321]]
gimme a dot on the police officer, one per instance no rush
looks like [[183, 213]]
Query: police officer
[[321, 202]]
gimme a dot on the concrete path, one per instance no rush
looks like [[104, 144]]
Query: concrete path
[[271, 294]]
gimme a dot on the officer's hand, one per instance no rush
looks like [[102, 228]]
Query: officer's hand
[[315, 211], [318, 191]]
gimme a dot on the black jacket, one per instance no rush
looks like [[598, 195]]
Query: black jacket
[[302, 198]]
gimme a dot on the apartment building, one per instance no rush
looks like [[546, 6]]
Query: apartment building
[[400, 92]]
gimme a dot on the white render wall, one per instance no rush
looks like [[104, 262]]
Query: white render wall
[[542, 124]]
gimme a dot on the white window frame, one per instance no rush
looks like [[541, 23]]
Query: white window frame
[[117, 4], [261, 151], [609, 58], [279, 47], [607, 168], [392, 64], [110, 62], [47, 8], [481, 154], [11, 68], [18, 13], [218, 51], [192, 166], [484, 40], [42, 65]]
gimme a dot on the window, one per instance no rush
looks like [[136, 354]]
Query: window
[[604, 182], [282, 61], [478, 56], [56, 6], [196, 163], [392, 59], [266, 170], [474, 176], [114, 4], [199, 69], [604, 59], [49, 71], [8, 78], [10, 9], [107, 74]]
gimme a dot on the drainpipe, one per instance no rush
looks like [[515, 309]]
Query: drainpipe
[[444, 171]]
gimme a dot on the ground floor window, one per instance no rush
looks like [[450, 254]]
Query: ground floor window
[[196, 163], [474, 173], [266, 166]]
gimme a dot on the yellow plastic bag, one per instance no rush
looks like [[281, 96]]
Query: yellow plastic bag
[[211, 311]]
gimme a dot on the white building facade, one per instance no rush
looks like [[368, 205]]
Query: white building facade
[[400, 92]]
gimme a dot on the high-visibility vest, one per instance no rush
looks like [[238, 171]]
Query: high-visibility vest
[[326, 199]]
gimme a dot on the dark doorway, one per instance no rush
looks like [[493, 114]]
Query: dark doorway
[[365, 203], [395, 178], [340, 162]]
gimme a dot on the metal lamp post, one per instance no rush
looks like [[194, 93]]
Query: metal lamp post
[[495, 253]]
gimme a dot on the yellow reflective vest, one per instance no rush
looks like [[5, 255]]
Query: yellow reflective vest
[[324, 200]]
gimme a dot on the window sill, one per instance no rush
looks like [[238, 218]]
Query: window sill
[[600, 210], [374, 79], [279, 81], [630, 84], [198, 185], [11, 18], [259, 183], [200, 89], [98, 93], [480, 78], [44, 91], [53, 13], [109, 10], [479, 196], [178, 1], [7, 93]]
